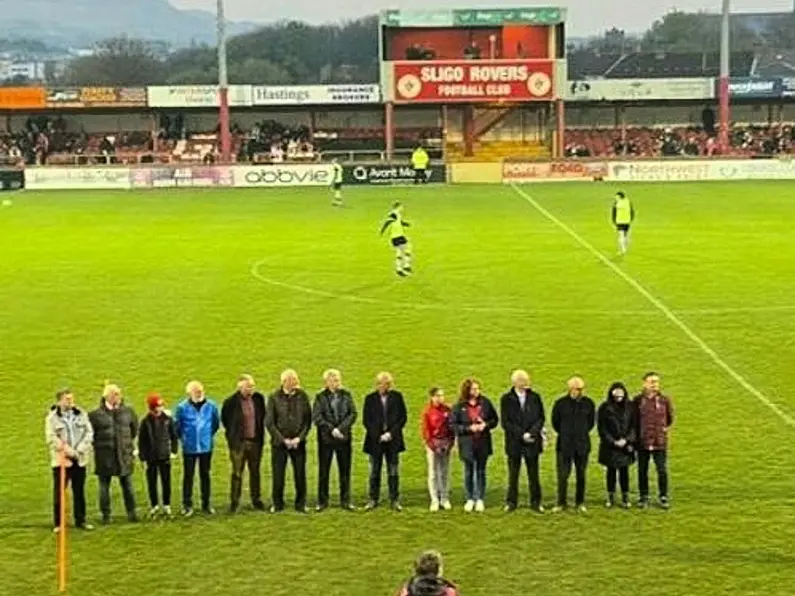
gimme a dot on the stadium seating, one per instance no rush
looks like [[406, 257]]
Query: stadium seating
[[670, 142], [640, 65]]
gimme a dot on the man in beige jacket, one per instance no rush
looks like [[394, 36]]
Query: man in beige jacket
[[69, 437]]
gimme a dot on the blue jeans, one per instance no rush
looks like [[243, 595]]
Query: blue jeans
[[475, 479]]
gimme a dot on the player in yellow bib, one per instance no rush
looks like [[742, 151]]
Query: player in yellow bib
[[623, 214], [397, 234]]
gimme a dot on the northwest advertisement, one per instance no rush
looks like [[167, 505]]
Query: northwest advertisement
[[518, 172], [78, 178], [275, 176], [696, 170], [181, 177], [376, 174], [473, 81]]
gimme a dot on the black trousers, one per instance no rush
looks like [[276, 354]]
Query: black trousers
[[420, 176], [622, 474], [565, 463], [127, 492], [327, 452], [249, 454], [204, 461], [161, 469], [661, 463], [530, 460], [279, 456], [392, 472], [76, 476]]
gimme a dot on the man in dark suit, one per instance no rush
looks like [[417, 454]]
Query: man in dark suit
[[243, 417], [334, 413], [384, 416], [573, 418], [522, 417]]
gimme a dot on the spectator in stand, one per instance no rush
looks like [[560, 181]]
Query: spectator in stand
[[107, 149], [289, 420], [334, 414], [616, 421], [438, 435], [655, 414], [384, 417], [69, 437], [115, 427], [522, 417], [474, 417], [573, 418], [197, 420], [157, 446], [428, 578], [243, 417]]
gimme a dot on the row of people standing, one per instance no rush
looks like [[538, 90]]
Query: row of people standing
[[625, 428]]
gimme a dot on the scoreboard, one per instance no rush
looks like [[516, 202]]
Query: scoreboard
[[473, 56]]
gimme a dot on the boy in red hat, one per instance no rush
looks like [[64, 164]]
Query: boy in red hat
[[157, 445]]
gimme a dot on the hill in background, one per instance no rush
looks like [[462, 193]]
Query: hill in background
[[76, 23]]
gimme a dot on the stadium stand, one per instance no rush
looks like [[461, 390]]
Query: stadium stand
[[746, 141], [775, 63], [640, 65]]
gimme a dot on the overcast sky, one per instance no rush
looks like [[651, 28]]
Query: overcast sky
[[585, 16]]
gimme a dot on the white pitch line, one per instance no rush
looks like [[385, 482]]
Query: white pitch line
[[661, 307]]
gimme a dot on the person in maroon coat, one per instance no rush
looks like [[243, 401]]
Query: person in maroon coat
[[655, 415]]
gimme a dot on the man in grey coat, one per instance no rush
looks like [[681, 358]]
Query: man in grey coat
[[115, 428]]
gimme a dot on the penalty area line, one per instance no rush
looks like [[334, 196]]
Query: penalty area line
[[657, 303]]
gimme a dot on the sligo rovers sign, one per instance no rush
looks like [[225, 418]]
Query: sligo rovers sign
[[472, 81]]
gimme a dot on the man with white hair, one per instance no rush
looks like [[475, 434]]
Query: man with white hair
[[384, 417], [243, 417], [522, 418], [289, 420], [573, 418], [334, 413], [115, 427], [197, 420]]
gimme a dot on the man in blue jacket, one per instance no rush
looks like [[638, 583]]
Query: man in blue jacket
[[197, 419]]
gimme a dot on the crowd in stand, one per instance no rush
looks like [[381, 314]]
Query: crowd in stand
[[273, 142], [746, 141], [629, 430]]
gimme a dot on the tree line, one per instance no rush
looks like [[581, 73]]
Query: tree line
[[291, 53]]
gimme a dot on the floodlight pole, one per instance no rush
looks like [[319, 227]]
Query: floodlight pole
[[723, 81], [223, 88]]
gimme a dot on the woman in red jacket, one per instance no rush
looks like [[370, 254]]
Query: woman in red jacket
[[437, 432]]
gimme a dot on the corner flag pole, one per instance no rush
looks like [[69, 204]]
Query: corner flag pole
[[62, 532], [723, 85], [223, 87]]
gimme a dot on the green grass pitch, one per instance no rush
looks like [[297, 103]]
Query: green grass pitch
[[152, 289]]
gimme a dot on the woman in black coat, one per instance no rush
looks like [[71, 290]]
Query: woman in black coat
[[474, 417], [617, 433]]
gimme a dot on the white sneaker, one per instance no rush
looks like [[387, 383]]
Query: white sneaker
[[469, 507], [434, 505], [480, 507], [155, 511], [446, 505], [167, 510]]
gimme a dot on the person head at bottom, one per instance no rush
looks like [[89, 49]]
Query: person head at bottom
[[428, 578]]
